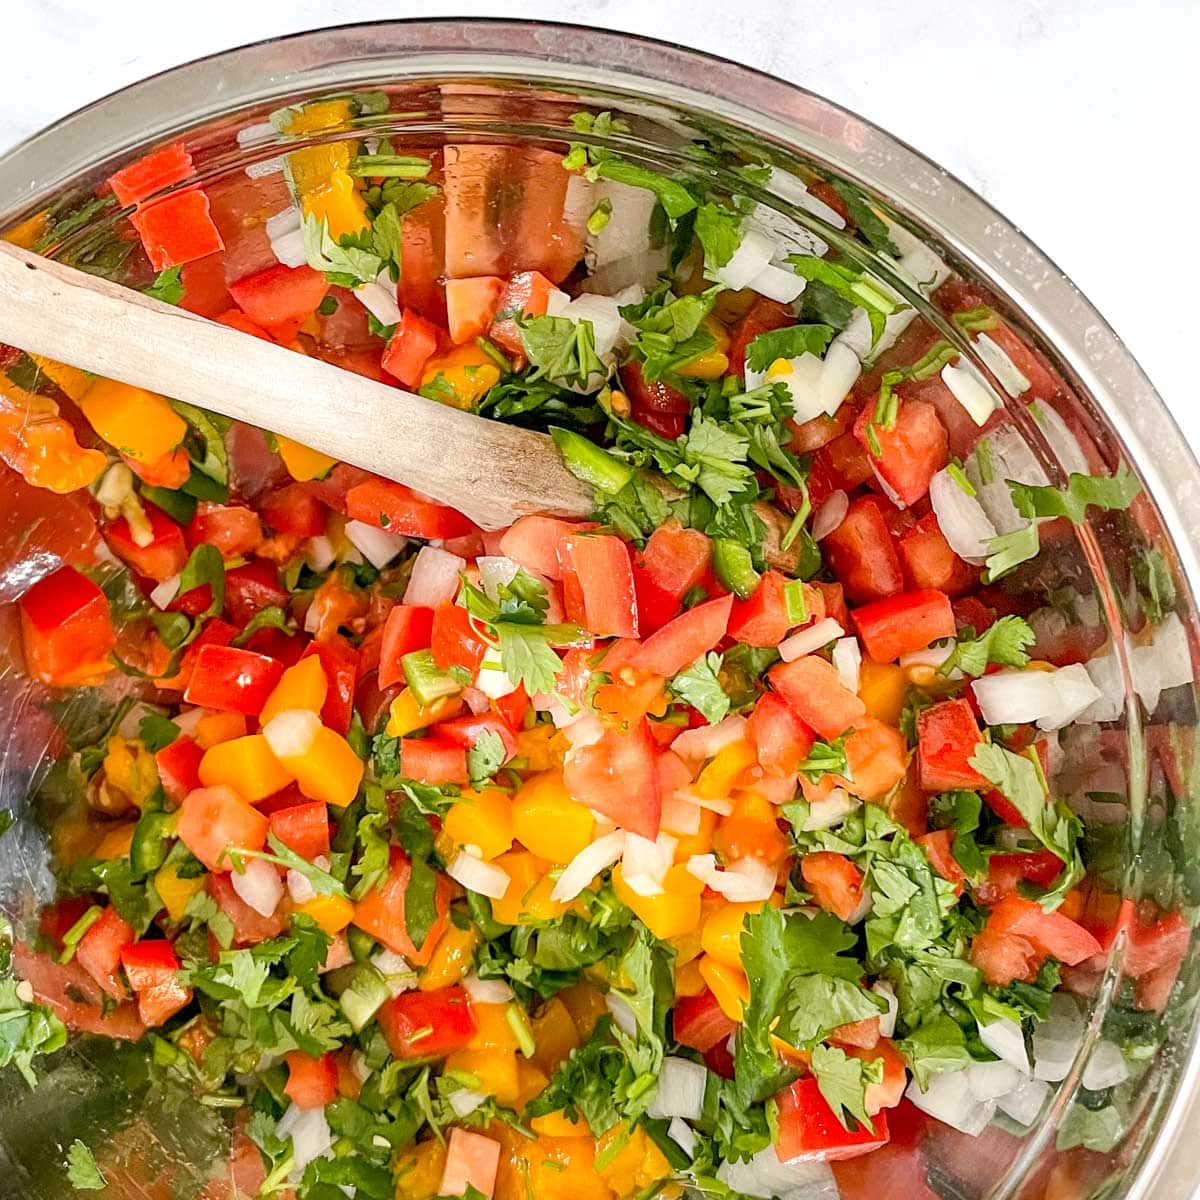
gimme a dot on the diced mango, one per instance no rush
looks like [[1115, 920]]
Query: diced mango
[[728, 984], [881, 687], [247, 765], [407, 715], [328, 770], [541, 747], [461, 377], [331, 913], [482, 819], [548, 822], [492, 1029], [419, 1170], [116, 841], [303, 685], [216, 727], [129, 768], [495, 1071], [688, 980], [673, 913], [70, 380], [638, 1164], [554, 1037], [717, 779], [721, 933], [528, 896], [451, 959], [174, 892], [134, 421], [558, 1125], [586, 1006], [337, 200], [303, 463]]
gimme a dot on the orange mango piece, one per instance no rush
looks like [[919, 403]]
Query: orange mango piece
[[247, 765]]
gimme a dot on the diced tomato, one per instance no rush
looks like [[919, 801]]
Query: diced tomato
[[99, 951], [71, 993], [859, 1035], [833, 601], [947, 738], [381, 912], [680, 642], [213, 820], [1154, 945], [177, 229], [660, 407], [526, 294], [889, 1091], [841, 465], [512, 708], [214, 633], [423, 257], [763, 316], [904, 623], [532, 543], [913, 450], [1004, 957], [66, 630], [930, 563], [876, 757], [835, 882], [939, 847], [465, 731], [674, 561], [311, 1082], [616, 776], [897, 1169], [57, 918], [170, 470], [1006, 871], [152, 969], [280, 294], [234, 529], [470, 306], [763, 619], [1043, 385], [453, 639], [179, 767], [398, 509], [408, 627], [303, 828], [861, 552], [472, 1163], [700, 1022], [295, 508], [340, 661], [253, 586], [157, 171], [1049, 933], [719, 1060], [811, 686], [809, 1128], [413, 343], [599, 565], [166, 552], [433, 760], [781, 738], [249, 927], [420, 1025], [231, 679]]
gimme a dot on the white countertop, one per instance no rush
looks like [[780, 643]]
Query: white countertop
[[1073, 117]]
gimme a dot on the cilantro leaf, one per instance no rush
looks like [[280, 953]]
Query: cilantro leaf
[[1109, 492], [305, 959], [868, 222], [205, 446], [167, 286], [851, 285], [1010, 550], [791, 342], [560, 349], [669, 334], [82, 1172], [818, 1004], [26, 1030], [700, 687], [420, 893], [675, 199], [157, 732], [843, 1082], [1002, 643], [346, 265], [936, 1045], [485, 757], [719, 231]]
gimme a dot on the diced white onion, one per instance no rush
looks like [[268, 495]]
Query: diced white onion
[[491, 678], [1006, 1040], [268, 166], [683, 1135], [487, 991], [831, 811], [856, 337], [764, 1176], [291, 733], [932, 655], [310, 1134], [949, 1100], [376, 545], [1165, 662], [259, 886], [862, 909], [790, 187], [645, 863], [847, 659], [1000, 365], [801, 376], [1056, 1040], [1106, 1067], [434, 578], [1051, 698], [478, 876], [991, 1080], [626, 235], [712, 803], [286, 221], [681, 1084], [805, 641], [971, 390], [622, 1015], [840, 372], [495, 571], [587, 864], [319, 553], [465, 1101], [1062, 441], [744, 882], [253, 135], [1025, 1102], [789, 235], [165, 592], [830, 515], [300, 887], [379, 302], [1010, 458], [752, 255], [778, 283], [608, 326], [696, 745], [961, 518], [887, 1020], [680, 815], [562, 712]]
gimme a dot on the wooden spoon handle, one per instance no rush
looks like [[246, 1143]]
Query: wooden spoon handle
[[493, 473]]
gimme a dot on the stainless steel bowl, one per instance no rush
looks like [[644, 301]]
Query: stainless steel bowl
[[516, 81]]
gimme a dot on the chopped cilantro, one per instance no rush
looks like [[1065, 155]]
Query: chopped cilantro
[[700, 687], [1003, 643], [791, 342], [82, 1172]]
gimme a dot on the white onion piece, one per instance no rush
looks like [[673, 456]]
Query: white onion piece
[[465, 1101], [187, 721], [831, 811], [1025, 1102], [587, 864], [1056, 1040], [887, 1020], [268, 166], [319, 553], [847, 659], [608, 326], [802, 378], [379, 302], [991, 1080], [580, 201], [491, 678], [487, 991], [789, 235], [1106, 1067], [805, 641], [478, 876], [287, 220], [291, 733], [961, 518], [495, 571], [376, 545], [475, 700], [950, 1101], [764, 1176], [1000, 365], [397, 974], [862, 909], [971, 390], [932, 655], [856, 337], [289, 249], [1051, 698], [778, 283], [753, 253], [562, 712], [645, 863], [683, 1135], [712, 803], [310, 1134], [1062, 441], [626, 235], [259, 886], [1166, 662], [830, 515], [300, 887], [789, 187], [1105, 672], [1011, 458], [253, 135], [1005, 1039], [840, 372], [622, 1015], [165, 592], [680, 815], [587, 731], [696, 745], [681, 1084], [744, 882], [434, 578]]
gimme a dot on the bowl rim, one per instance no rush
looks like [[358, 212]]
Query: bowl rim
[[933, 198]]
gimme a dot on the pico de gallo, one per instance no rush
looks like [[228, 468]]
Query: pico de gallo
[[712, 843]]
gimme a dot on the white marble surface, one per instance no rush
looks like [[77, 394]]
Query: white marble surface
[[1074, 117]]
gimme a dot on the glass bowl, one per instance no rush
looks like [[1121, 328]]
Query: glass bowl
[[1114, 592]]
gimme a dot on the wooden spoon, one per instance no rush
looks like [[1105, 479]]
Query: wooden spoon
[[493, 473]]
